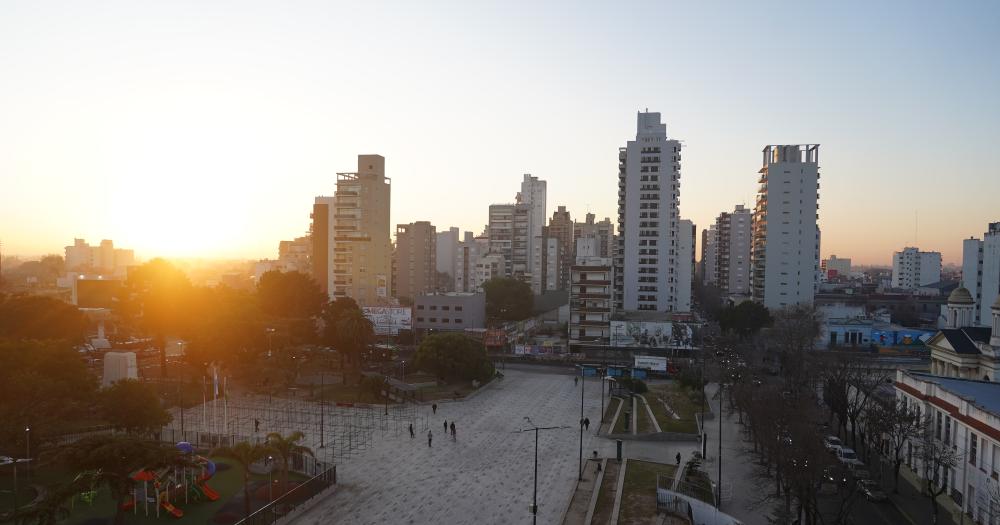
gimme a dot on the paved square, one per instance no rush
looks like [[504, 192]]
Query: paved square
[[483, 477]]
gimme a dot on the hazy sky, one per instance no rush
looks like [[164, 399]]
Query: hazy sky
[[206, 128]]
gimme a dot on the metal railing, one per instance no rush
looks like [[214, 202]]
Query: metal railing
[[293, 502]]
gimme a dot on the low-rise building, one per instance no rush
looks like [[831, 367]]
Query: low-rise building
[[453, 311]]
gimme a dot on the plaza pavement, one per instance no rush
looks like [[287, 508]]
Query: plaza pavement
[[483, 477]]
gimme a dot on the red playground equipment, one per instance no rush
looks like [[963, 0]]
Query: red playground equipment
[[172, 485]]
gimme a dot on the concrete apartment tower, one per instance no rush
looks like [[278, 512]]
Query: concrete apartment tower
[[912, 268], [981, 272], [687, 234], [447, 250], [319, 233], [603, 231], [509, 237], [415, 260], [732, 251], [360, 248], [532, 195], [785, 247], [561, 228], [646, 260], [709, 255]]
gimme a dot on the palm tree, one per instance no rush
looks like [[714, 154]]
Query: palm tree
[[285, 447], [51, 508], [245, 454], [111, 459]]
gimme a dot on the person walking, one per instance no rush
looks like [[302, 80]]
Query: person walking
[[453, 431], [576, 380], [586, 423], [256, 425], [412, 435], [434, 408], [678, 458], [446, 427], [430, 437]]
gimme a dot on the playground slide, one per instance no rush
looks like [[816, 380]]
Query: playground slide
[[174, 511], [209, 492]]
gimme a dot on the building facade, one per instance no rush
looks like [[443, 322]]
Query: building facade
[[509, 237], [447, 251], [360, 248], [710, 256], [449, 311], [785, 243], [561, 228], [964, 350], [835, 266], [319, 233], [912, 268], [732, 251], [646, 259], [981, 271], [415, 260], [104, 258], [603, 231], [590, 295], [533, 197], [687, 234]]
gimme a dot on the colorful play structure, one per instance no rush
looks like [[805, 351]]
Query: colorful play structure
[[168, 486]]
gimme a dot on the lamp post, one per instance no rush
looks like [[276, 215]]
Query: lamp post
[[534, 497], [583, 384], [322, 408], [27, 450], [270, 481]]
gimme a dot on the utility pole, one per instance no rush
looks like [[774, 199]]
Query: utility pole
[[322, 408], [719, 488], [534, 497], [583, 384]]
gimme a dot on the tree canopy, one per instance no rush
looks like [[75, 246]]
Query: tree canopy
[[348, 331], [744, 319], [508, 299], [227, 327], [38, 317], [290, 295], [133, 407], [158, 297], [453, 357]]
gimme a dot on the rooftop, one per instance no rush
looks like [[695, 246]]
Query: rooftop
[[984, 394]]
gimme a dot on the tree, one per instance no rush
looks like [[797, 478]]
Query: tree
[[52, 509], [134, 408], [291, 295], [744, 319], [286, 447], [44, 385], [245, 454], [110, 460], [157, 295], [936, 459], [227, 327], [38, 317], [349, 332], [508, 299], [453, 357], [899, 424]]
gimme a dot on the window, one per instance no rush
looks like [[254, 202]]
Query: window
[[937, 426], [947, 430], [445, 320], [434, 307], [458, 321], [420, 319], [446, 308], [420, 307], [458, 308], [973, 442], [434, 319]]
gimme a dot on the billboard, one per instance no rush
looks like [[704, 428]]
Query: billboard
[[388, 320], [648, 362], [651, 334]]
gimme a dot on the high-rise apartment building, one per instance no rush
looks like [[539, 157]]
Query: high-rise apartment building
[[547, 260], [359, 249], [732, 251], [785, 246], [296, 255], [912, 268], [590, 294], [646, 262], [447, 250], [414, 260], [467, 256], [709, 255], [319, 233], [686, 236], [533, 195], [981, 272], [603, 231], [509, 237], [561, 227]]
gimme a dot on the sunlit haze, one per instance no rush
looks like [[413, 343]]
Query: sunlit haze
[[206, 129]]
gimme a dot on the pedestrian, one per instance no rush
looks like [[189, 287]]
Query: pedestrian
[[430, 437], [256, 425], [412, 435], [446, 427], [586, 423], [678, 458], [453, 431], [576, 380], [434, 408]]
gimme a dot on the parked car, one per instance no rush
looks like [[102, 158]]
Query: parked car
[[848, 457], [871, 490], [832, 443]]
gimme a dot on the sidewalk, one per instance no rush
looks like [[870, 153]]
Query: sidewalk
[[913, 504]]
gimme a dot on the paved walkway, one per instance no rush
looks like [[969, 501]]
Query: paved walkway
[[483, 477]]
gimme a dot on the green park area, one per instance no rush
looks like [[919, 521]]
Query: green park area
[[674, 406], [638, 505]]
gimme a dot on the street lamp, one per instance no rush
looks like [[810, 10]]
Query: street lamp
[[270, 482], [534, 497], [13, 462], [27, 449], [583, 384], [322, 402]]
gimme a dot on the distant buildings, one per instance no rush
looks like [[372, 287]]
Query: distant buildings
[[533, 195], [414, 260], [547, 262], [912, 268], [103, 259], [710, 255], [981, 272], [352, 229], [447, 251], [785, 246], [687, 236], [509, 234], [603, 231], [590, 294], [730, 251], [562, 229], [296, 255], [961, 349], [467, 257], [449, 311], [646, 261], [835, 267]]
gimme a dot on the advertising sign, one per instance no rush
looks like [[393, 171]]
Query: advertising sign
[[381, 285], [388, 320], [651, 334], [648, 362]]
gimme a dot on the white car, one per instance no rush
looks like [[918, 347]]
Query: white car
[[832, 443], [849, 457]]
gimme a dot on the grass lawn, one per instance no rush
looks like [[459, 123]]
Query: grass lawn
[[639, 493], [611, 408], [684, 402], [623, 418], [645, 426], [697, 485], [606, 493]]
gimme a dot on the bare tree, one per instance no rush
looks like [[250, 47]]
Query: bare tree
[[936, 459], [899, 425]]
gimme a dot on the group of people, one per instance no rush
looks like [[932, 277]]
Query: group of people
[[430, 434]]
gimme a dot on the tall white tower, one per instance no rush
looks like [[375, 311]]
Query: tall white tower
[[785, 249], [533, 195], [646, 259]]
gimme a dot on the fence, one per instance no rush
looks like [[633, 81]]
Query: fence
[[295, 501], [671, 503]]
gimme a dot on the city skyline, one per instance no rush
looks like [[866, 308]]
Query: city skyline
[[211, 136]]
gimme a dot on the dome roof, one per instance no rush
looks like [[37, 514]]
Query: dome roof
[[960, 296]]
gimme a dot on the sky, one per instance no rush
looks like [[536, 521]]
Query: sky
[[207, 128]]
